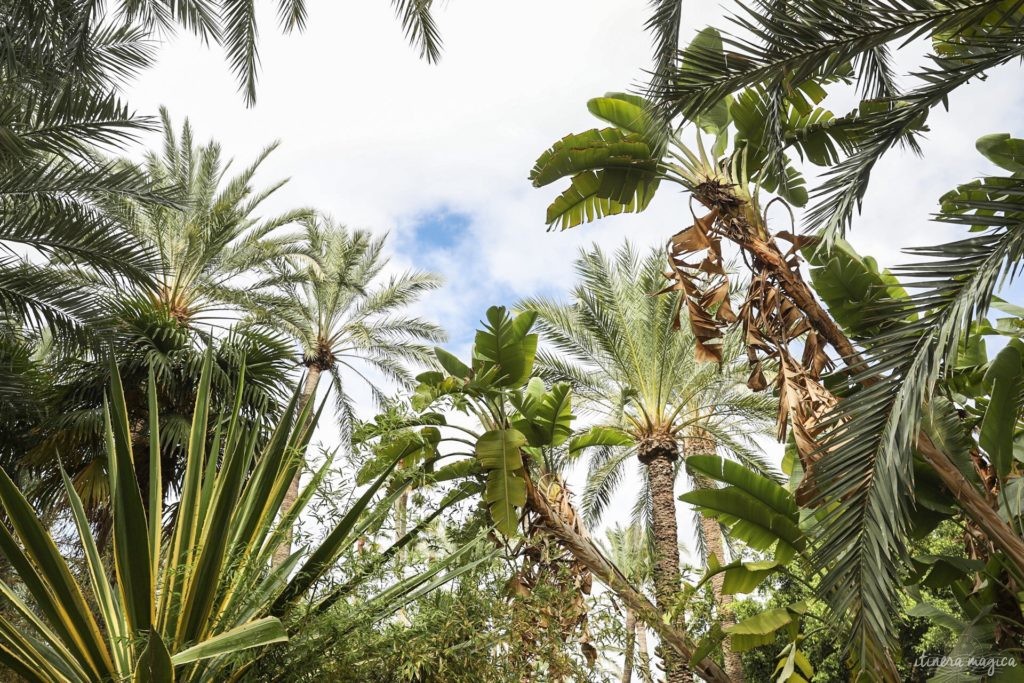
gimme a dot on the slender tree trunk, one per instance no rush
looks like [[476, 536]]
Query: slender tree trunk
[[659, 453], [584, 550], [702, 444], [713, 539], [402, 513], [308, 391], [627, 655], [645, 653]]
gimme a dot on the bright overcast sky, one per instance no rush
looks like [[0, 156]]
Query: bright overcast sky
[[439, 155]]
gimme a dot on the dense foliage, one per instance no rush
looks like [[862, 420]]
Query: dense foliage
[[162, 343]]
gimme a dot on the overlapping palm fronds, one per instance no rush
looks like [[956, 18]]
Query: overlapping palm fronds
[[59, 77], [234, 26], [868, 464], [618, 348], [777, 46]]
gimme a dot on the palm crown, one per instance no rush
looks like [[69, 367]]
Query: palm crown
[[346, 314], [217, 254], [618, 346]]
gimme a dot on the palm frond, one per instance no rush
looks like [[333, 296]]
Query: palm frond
[[663, 23], [867, 460], [420, 29], [239, 38]]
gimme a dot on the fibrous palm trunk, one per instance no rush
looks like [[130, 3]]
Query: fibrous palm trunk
[[282, 551], [659, 452], [629, 650]]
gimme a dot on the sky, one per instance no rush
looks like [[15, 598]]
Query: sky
[[438, 155]]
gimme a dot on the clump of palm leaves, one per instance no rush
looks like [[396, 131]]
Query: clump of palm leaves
[[210, 260]]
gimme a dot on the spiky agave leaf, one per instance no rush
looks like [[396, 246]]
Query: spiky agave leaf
[[206, 597]]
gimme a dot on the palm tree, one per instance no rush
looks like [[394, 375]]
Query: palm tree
[[619, 348], [348, 317], [215, 255], [629, 548], [211, 261]]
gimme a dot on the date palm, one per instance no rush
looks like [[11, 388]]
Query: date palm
[[629, 548], [618, 347], [349, 317], [212, 261], [215, 256]]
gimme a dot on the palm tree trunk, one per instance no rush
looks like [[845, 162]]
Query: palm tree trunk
[[584, 550], [659, 453], [713, 540], [645, 653], [282, 551], [627, 655]]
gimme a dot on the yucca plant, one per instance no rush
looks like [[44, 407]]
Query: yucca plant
[[171, 606]]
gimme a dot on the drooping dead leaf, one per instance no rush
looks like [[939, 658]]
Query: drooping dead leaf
[[771, 319]]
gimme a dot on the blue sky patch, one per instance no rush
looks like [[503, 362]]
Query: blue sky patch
[[440, 229]]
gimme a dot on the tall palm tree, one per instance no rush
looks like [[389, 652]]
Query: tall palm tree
[[212, 261], [347, 316], [881, 429], [619, 348], [216, 255]]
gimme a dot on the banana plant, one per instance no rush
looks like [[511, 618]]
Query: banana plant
[[618, 169], [194, 604], [521, 424], [519, 438], [762, 514]]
